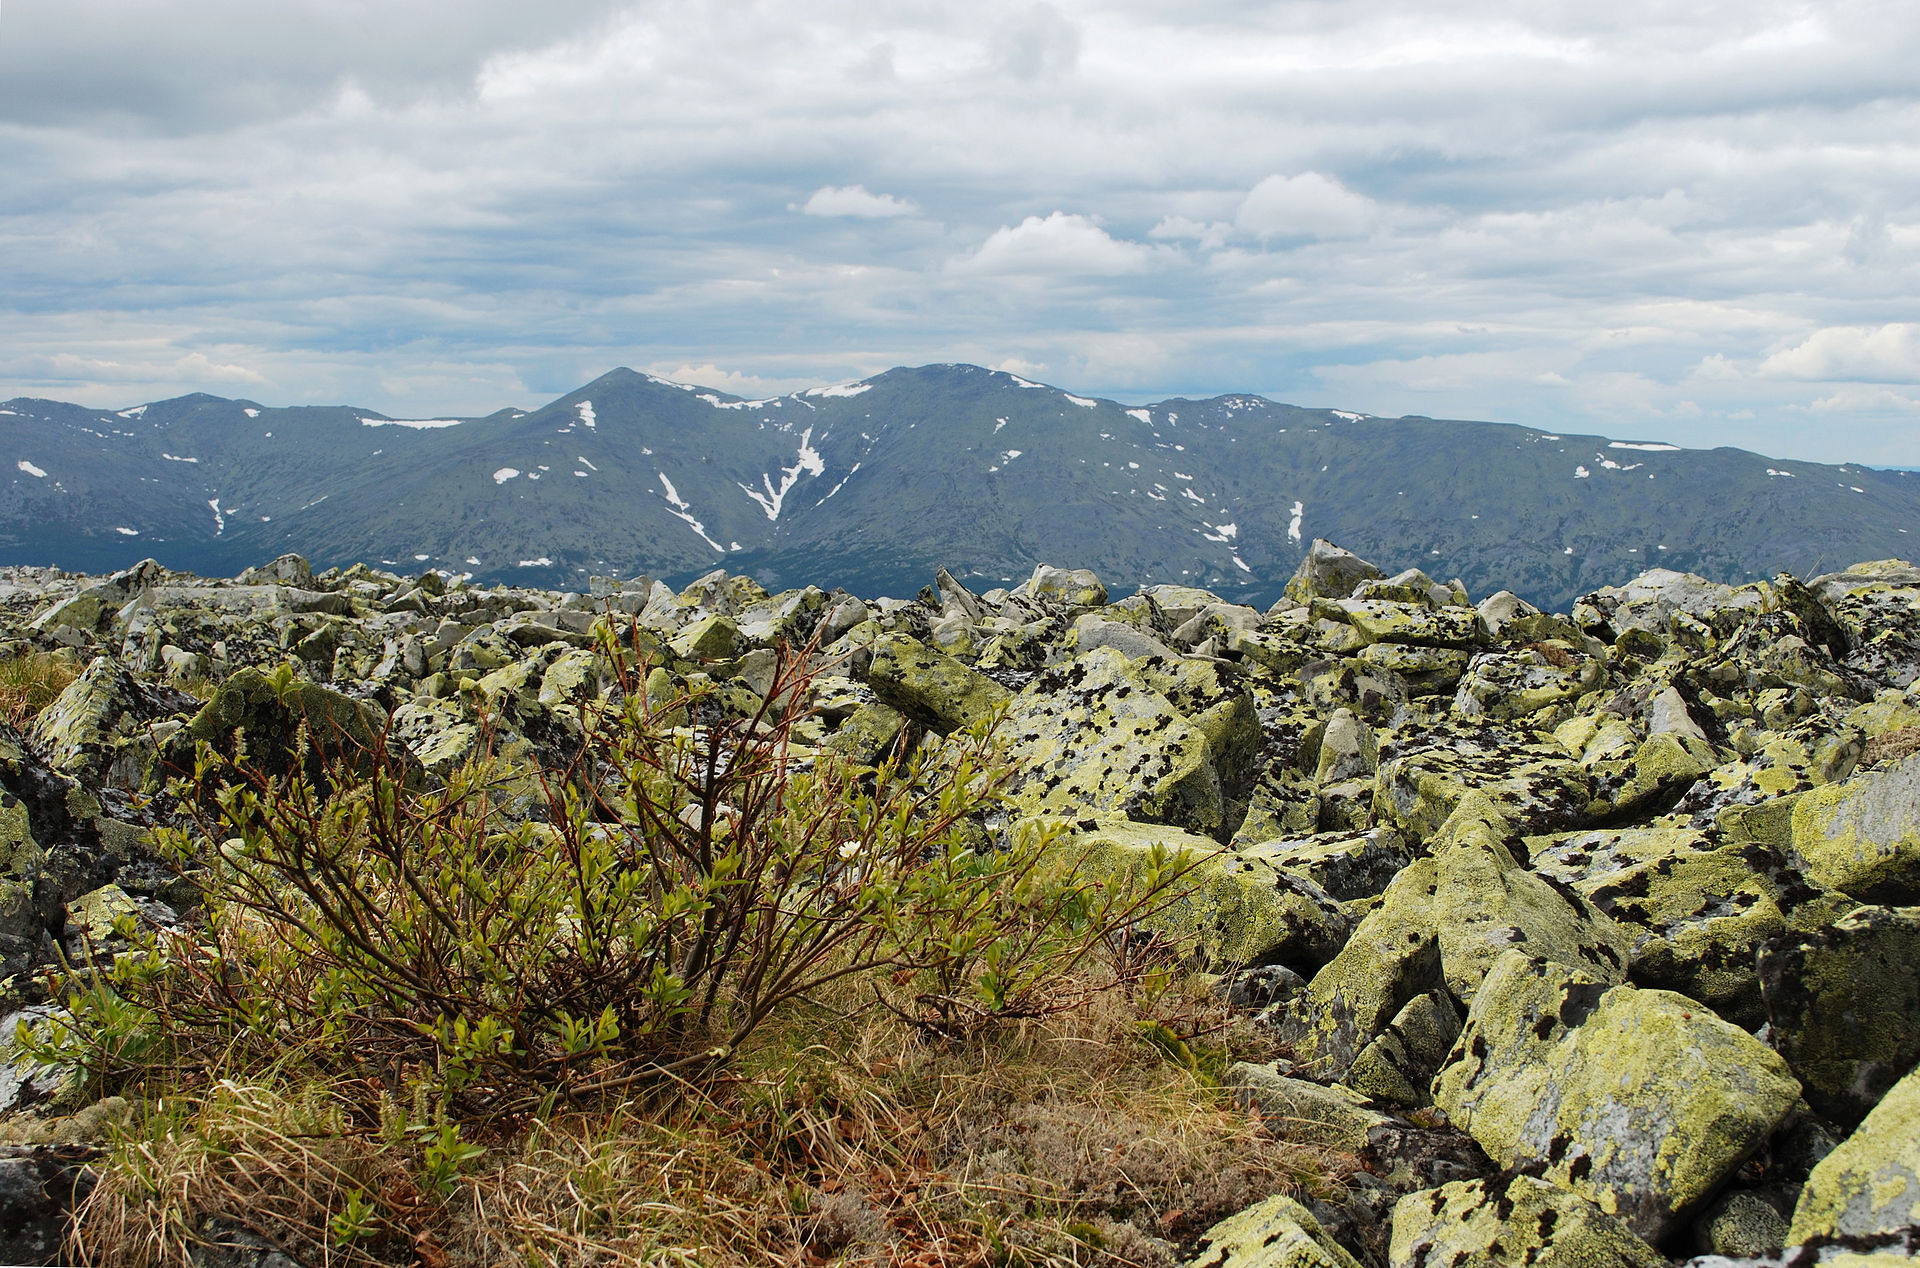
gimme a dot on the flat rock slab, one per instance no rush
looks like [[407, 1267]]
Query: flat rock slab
[[1525, 1221], [1641, 1100]]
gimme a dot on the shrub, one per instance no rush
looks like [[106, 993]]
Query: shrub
[[675, 886]]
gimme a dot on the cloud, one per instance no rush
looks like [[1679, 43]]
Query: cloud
[[855, 201], [1305, 206], [1882, 354], [1560, 214], [1059, 245]]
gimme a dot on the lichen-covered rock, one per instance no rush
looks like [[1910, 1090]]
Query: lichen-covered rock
[[1233, 909], [1522, 1222], [99, 727], [1695, 915], [267, 715], [1427, 671], [1093, 738], [1641, 1100], [1486, 903], [1302, 1112], [713, 637], [1424, 774], [1221, 710], [931, 686], [1399, 1065], [1328, 572], [1780, 764], [1414, 624], [1877, 604], [1740, 1222], [1275, 1233], [1392, 957], [1871, 1183], [1507, 685], [1862, 837], [1843, 1003], [1347, 865], [1661, 770], [439, 733], [1067, 587]]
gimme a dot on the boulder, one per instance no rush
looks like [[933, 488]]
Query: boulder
[[1485, 903], [1640, 1100], [931, 686], [1522, 1221], [1092, 737], [1275, 1233], [274, 718], [1233, 909], [1066, 587], [1424, 773], [1391, 958], [1399, 1065], [1843, 1006], [1348, 865], [1862, 837], [1695, 915], [1302, 1112], [1871, 1184], [1328, 572]]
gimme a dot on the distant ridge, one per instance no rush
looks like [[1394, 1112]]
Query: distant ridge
[[874, 484]]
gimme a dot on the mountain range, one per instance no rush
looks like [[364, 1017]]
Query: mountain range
[[872, 485]]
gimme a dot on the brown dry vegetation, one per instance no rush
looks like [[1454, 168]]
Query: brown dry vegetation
[[31, 682], [838, 1139], [1892, 746]]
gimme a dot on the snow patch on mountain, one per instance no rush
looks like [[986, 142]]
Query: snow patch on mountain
[[683, 511], [505, 474], [219, 517], [839, 389], [1293, 524], [1081, 401], [809, 462], [30, 469], [417, 424], [1145, 416], [135, 412], [1644, 448], [176, 458], [585, 410]]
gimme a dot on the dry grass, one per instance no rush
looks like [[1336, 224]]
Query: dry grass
[[847, 1139], [1892, 746], [31, 682]]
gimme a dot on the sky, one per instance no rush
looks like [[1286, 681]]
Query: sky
[[1698, 223]]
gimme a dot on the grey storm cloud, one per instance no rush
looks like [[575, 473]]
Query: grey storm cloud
[[1699, 222]]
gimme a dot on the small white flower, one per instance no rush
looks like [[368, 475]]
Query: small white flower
[[849, 850]]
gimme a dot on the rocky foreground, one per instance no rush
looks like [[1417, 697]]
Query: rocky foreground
[[1596, 935]]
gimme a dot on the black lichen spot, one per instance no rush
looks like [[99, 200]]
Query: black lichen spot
[[1581, 1168]]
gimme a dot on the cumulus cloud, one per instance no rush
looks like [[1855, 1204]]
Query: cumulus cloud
[[1309, 205], [855, 201], [1056, 245], [1886, 354]]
